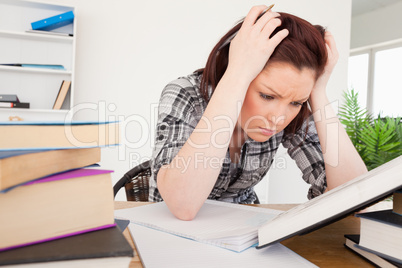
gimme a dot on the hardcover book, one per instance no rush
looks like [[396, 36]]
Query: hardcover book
[[101, 248], [20, 166], [352, 242], [57, 135], [236, 228], [381, 232], [9, 98], [56, 206], [14, 105], [64, 88]]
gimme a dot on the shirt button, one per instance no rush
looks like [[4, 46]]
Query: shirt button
[[160, 137]]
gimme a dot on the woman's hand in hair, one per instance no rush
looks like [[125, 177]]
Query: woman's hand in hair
[[252, 47], [333, 55]]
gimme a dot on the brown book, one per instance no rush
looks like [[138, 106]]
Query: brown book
[[20, 166], [57, 135], [397, 202], [64, 88], [57, 206]]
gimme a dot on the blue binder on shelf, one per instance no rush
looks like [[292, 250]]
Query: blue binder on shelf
[[53, 22]]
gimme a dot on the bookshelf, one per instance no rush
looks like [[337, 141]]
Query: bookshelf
[[37, 86]]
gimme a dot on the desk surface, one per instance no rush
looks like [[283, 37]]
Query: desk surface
[[323, 247]]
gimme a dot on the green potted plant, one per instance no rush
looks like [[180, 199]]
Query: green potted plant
[[377, 139]]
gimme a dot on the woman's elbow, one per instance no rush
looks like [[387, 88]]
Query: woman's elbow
[[181, 206], [185, 214]]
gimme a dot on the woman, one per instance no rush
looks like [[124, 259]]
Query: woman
[[220, 127]]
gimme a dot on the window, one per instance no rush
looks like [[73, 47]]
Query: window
[[376, 74]]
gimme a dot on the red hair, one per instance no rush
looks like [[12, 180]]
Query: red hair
[[304, 47]]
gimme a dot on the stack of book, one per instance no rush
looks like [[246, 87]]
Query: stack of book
[[55, 207], [12, 101], [380, 239]]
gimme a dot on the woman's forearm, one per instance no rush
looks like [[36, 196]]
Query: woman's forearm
[[185, 188], [342, 161]]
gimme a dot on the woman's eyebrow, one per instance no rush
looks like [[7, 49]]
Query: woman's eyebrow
[[280, 96]]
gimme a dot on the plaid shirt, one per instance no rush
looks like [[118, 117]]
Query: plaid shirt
[[181, 107]]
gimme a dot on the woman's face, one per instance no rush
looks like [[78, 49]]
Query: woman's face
[[273, 99]]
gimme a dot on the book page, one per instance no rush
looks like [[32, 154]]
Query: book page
[[160, 249]]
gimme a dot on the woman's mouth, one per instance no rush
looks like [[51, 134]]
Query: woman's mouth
[[267, 132]]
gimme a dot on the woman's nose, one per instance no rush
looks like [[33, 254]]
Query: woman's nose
[[277, 115]]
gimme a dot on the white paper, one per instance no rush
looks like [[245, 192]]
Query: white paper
[[161, 249], [222, 224]]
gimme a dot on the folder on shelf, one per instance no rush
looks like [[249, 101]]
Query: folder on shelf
[[64, 88], [40, 66], [54, 22]]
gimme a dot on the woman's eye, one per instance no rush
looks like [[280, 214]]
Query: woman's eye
[[297, 104], [266, 97]]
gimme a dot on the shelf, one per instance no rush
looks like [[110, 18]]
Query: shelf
[[36, 36], [33, 70], [21, 45], [61, 111]]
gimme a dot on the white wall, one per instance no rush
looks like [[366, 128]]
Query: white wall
[[128, 50], [381, 25]]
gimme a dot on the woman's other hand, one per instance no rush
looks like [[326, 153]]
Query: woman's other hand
[[333, 56]]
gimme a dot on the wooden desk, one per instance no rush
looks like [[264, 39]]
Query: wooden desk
[[323, 247]]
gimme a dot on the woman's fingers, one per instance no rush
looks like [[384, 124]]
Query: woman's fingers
[[265, 19], [270, 27], [277, 38], [252, 15], [264, 26], [333, 53]]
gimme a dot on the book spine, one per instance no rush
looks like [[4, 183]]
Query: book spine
[[53, 22], [14, 105]]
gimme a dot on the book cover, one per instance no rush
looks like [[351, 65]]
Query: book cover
[[342, 201], [383, 216], [57, 206], [95, 246], [24, 135], [61, 95], [53, 22], [21, 166], [9, 98], [352, 242]]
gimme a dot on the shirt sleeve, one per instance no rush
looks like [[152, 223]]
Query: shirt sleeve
[[304, 147], [177, 118]]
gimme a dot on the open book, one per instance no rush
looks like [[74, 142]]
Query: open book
[[352, 196], [236, 227]]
